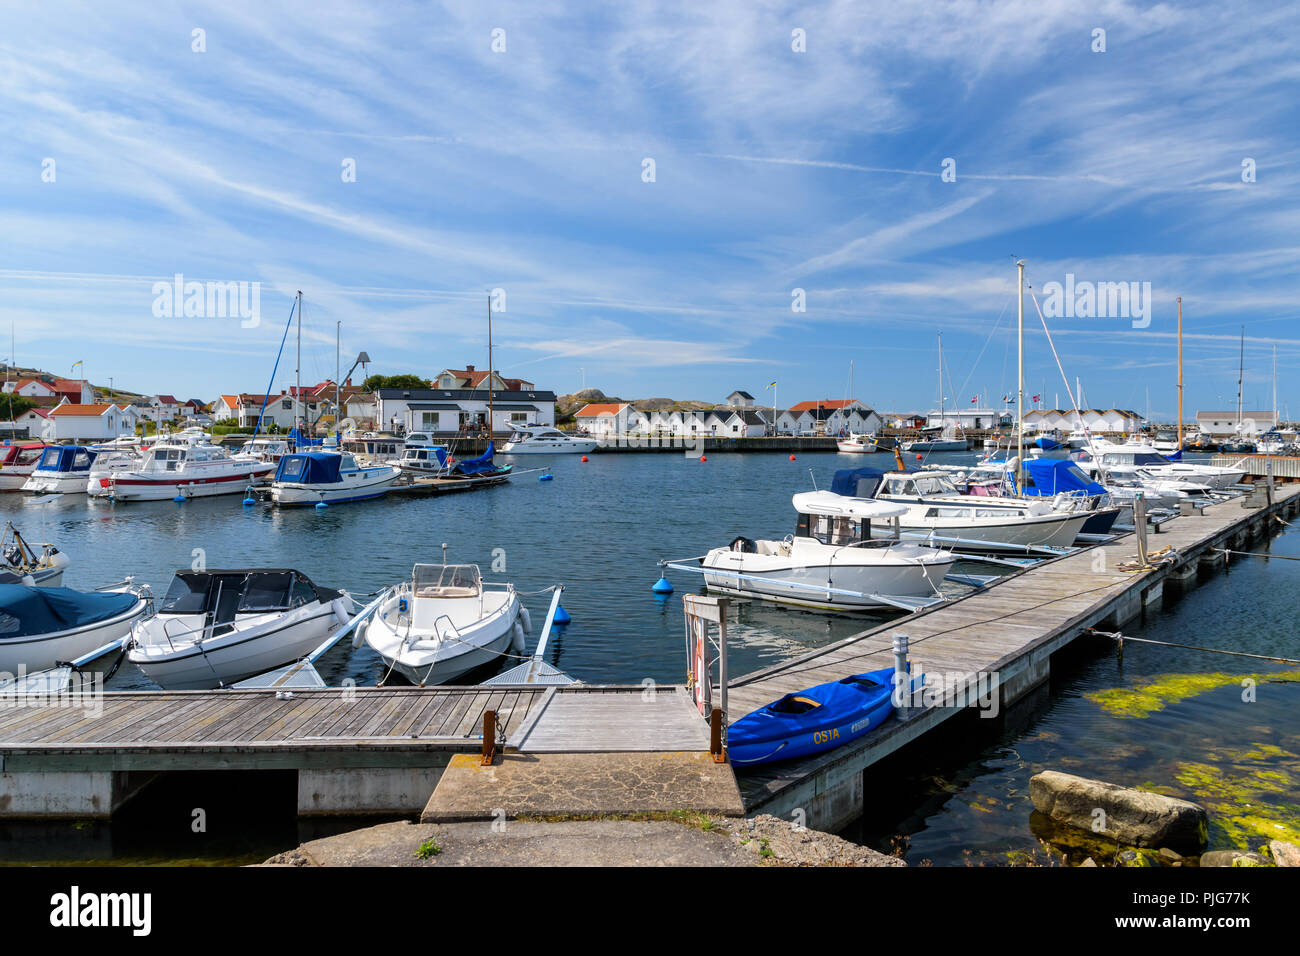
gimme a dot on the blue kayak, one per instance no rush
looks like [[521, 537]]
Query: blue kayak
[[813, 720]]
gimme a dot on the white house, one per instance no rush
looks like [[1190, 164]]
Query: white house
[[1114, 421], [829, 417], [971, 417], [612, 420], [78, 422], [449, 411], [1224, 424]]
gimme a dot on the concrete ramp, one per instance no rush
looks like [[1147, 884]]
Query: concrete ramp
[[582, 784]]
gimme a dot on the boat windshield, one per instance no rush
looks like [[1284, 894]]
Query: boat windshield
[[253, 592], [446, 580], [921, 487]]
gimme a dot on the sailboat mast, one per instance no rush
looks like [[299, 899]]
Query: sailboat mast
[[1241, 374], [1180, 373], [297, 372], [1020, 375], [942, 420], [489, 378], [1275, 423], [338, 332]]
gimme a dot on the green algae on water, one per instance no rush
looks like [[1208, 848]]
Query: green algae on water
[[1149, 696]]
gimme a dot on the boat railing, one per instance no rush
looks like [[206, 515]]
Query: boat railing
[[442, 636]]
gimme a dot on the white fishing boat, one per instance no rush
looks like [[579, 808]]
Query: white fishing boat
[[41, 626], [307, 478], [63, 470], [835, 560], [445, 622], [545, 440], [17, 462], [21, 563], [423, 460], [937, 509], [217, 627], [857, 444], [180, 468]]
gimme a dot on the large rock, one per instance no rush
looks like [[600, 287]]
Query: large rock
[[1284, 854], [1131, 817], [1234, 858]]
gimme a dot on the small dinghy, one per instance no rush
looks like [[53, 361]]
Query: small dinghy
[[218, 627], [41, 627], [814, 720], [20, 563], [445, 622]]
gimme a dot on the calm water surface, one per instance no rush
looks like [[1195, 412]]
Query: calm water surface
[[599, 528]]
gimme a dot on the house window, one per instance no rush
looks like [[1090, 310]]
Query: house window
[[429, 421], [519, 416], [286, 404]]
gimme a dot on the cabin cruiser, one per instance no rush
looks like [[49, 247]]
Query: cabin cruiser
[[180, 468], [545, 440], [111, 461], [836, 559], [217, 627], [263, 449], [1271, 443], [40, 627], [1134, 459], [63, 469], [423, 460], [857, 444], [307, 478], [20, 563], [444, 622], [937, 509], [937, 438], [16, 464]]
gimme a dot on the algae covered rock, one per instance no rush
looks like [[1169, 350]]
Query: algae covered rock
[[1284, 853], [1135, 818], [1234, 858]]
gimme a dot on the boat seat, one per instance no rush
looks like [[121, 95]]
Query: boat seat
[[795, 705]]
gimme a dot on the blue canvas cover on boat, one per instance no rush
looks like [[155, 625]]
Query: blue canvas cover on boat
[[28, 612], [477, 466], [1047, 444], [856, 482], [1053, 476], [1178, 455], [62, 458], [302, 441], [309, 468]]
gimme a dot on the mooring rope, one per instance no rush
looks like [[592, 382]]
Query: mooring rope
[[1121, 638], [1258, 554]]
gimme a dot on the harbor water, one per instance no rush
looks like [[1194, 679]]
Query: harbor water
[[1165, 718]]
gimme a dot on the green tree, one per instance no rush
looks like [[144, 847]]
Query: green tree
[[374, 382]]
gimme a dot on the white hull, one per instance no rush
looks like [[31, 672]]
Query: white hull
[[359, 489], [851, 447], [134, 486], [13, 477], [550, 446], [941, 444], [39, 653], [254, 646], [1048, 531], [45, 483]]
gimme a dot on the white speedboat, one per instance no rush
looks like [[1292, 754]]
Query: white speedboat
[[180, 468], [307, 478], [423, 460], [41, 626], [937, 441], [833, 561], [20, 563], [445, 622], [857, 444], [63, 469], [218, 627], [16, 464], [1140, 460], [263, 449], [545, 440], [935, 508]]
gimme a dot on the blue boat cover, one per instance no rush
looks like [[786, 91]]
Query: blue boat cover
[[309, 468], [1047, 444], [302, 441], [1178, 455], [29, 612], [61, 458], [1053, 476], [476, 466], [856, 482]]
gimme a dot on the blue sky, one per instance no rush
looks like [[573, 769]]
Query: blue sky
[[774, 170]]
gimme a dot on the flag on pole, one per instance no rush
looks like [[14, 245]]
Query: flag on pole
[[773, 385], [975, 399], [1037, 397]]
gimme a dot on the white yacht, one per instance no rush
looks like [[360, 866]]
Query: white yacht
[[1141, 460], [217, 627], [444, 622], [857, 444], [833, 561], [263, 449], [308, 478], [62, 469], [423, 460], [17, 463], [181, 467], [545, 440]]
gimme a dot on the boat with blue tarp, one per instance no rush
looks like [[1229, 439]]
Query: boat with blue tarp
[[41, 626], [313, 477]]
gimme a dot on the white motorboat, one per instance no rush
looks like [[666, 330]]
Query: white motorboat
[[1142, 460], [112, 461], [218, 627], [857, 444], [20, 563], [940, 442], [263, 449], [936, 509], [308, 478], [545, 440], [180, 468], [42, 626], [833, 561], [423, 460], [16, 464], [63, 469], [445, 622]]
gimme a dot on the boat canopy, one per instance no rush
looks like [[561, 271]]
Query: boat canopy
[[857, 482], [446, 580], [1051, 476], [310, 468], [829, 503], [66, 458], [303, 441], [30, 611], [476, 466], [248, 591]]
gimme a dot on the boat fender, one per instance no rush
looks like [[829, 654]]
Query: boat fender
[[341, 611], [517, 637], [359, 634], [527, 620]]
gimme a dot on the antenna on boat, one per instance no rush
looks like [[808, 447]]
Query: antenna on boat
[[444, 554], [814, 479]]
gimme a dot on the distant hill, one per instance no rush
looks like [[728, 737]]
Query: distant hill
[[567, 406]]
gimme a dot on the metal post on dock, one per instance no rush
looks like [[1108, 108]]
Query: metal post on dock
[[489, 737], [1140, 525], [902, 677], [1268, 479]]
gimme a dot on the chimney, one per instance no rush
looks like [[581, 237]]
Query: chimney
[[469, 368]]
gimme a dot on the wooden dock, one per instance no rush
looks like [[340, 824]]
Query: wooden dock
[[384, 750]]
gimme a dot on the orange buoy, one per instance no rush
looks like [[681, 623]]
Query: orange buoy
[[702, 458], [918, 457], [584, 457], [792, 457]]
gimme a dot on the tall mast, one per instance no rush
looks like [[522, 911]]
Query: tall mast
[[1241, 374], [338, 331], [1275, 422], [942, 421], [1180, 372], [1020, 375], [489, 378], [297, 373]]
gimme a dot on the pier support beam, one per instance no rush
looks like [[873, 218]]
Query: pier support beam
[[96, 795], [1211, 560], [365, 790], [1030, 673], [1154, 594], [1126, 607]]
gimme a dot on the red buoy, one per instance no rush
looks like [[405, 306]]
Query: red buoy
[[918, 457], [584, 457], [792, 457], [702, 458]]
